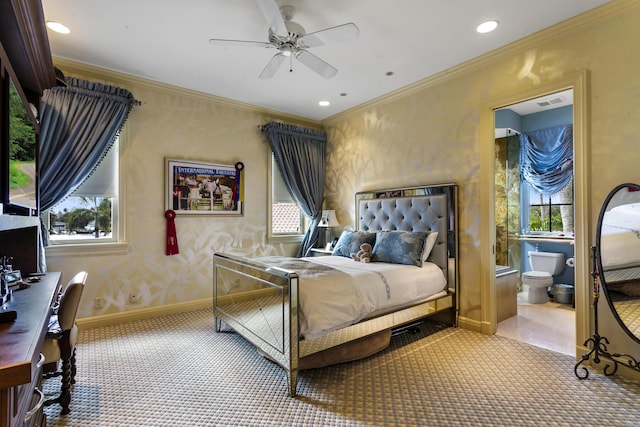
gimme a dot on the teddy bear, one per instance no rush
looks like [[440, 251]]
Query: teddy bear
[[364, 254]]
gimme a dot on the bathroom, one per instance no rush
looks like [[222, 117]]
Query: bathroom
[[531, 217]]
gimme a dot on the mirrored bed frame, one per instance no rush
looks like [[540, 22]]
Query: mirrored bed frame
[[260, 301]]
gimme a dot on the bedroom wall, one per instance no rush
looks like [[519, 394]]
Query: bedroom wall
[[180, 124], [430, 133]]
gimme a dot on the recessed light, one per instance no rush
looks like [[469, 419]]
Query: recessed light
[[324, 103], [58, 27], [389, 73], [487, 27]]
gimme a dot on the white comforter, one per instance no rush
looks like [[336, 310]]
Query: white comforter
[[350, 291], [620, 236]]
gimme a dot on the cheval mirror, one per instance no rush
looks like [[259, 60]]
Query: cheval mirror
[[617, 271]]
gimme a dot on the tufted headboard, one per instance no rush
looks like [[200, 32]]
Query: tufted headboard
[[414, 213]]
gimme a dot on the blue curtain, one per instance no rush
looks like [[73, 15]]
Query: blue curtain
[[78, 125], [546, 158], [300, 154]]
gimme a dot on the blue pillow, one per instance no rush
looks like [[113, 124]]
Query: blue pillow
[[399, 247], [350, 241]]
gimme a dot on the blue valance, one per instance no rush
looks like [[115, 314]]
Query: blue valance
[[546, 158]]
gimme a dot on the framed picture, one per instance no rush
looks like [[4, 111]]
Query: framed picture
[[199, 188]]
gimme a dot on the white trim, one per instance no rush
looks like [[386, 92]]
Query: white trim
[[578, 82], [582, 22], [128, 80], [88, 249], [144, 313], [279, 237], [470, 324], [116, 244]]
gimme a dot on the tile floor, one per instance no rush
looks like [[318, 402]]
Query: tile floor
[[550, 325]]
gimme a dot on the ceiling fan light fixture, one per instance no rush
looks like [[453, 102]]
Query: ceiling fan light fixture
[[487, 27], [286, 50], [291, 40]]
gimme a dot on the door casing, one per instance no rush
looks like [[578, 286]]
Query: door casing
[[583, 235]]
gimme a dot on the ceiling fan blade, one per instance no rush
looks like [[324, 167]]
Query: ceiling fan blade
[[273, 65], [271, 12], [316, 64], [247, 43], [341, 33]]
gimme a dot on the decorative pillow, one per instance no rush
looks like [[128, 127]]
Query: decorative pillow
[[399, 247], [429, 243], [350, 241]]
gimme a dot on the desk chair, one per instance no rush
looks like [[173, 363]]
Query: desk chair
[[59, 346]]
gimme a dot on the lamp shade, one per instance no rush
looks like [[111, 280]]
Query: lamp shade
[[329, 219]]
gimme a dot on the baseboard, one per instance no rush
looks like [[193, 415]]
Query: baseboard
[[143, 313], [150, 312], [470, 324], [580, 350], [181, 307]]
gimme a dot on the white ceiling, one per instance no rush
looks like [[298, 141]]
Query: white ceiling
[[168, 41], [544, 103]]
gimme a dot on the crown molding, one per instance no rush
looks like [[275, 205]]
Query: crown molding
[[578, 23], [112, 77]]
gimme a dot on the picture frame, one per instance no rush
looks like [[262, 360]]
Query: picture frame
[[202, 188]]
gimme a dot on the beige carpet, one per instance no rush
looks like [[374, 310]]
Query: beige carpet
[[629, 312], [176, 371]]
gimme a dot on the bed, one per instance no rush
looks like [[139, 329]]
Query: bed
[[620, 248], [295, 309]]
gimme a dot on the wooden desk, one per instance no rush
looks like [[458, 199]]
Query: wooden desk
[[20, 344]]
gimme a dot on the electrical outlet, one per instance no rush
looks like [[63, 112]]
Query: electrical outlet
[[134, 298], [98, 302]]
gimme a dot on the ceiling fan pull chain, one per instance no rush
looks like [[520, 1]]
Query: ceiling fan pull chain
[[291, 64]]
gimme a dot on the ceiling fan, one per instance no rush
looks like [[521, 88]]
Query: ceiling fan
[[291, 40]]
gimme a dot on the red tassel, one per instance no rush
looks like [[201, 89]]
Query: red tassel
[[172, 237]]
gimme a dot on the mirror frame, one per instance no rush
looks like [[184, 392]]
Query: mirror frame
[[601, 275]]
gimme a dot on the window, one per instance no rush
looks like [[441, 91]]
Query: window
[[286, 220], [90, 213], [21, 152], [549, 214]]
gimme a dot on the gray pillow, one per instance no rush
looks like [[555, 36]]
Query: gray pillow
[[399, 247], [350, 241]]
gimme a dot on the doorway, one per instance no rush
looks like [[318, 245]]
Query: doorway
[[526, 219], [577, 83]]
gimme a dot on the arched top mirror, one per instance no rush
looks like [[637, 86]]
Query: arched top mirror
[[618, 255]]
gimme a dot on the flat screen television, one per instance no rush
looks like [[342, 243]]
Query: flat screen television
[[22, 244]]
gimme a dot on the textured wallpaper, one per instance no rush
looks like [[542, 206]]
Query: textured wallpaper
[[424, 138], [432, 134], [175, 124], [427, 134]]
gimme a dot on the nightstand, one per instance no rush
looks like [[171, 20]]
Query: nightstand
[[319, 252]]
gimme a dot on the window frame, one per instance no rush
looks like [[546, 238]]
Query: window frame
[[117, 245], [273, 237], [526, 211]]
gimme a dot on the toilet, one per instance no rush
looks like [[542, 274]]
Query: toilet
[[544, 265]]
